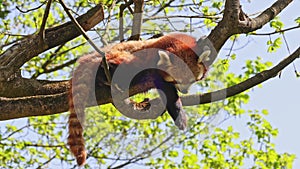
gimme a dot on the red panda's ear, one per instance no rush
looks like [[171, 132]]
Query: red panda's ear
[[165, 63], [164, 59], [204, 55]]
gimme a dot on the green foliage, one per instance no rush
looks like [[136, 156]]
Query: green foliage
[[253, 67], [274, 45], [234, 37], [297, 20], [218, 4], [208, 21], [266, 156], [4, 9], [276, 24], [30, 144]]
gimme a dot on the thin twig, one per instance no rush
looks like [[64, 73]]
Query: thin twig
[[48, 61], [105, 35], [144, 154], [46, 162], [288, 49], [167, 18], [130, 2], [233, 42], [70, 62], [35, 145], [183, 16], [279, 31], [163, 7], [45, 17], [82, 31], [29, 10]]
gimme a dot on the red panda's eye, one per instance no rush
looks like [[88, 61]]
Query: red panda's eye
[[198, 78], [179, 81], [169, 79], [192, 80]]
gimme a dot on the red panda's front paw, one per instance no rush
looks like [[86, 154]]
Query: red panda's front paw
[[141, 106]]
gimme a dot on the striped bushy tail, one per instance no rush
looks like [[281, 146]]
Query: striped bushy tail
[[76, 119], [82, 85], [75, 124]]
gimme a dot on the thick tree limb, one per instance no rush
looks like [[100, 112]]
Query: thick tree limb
[[249, 25], [32, 106], [13, 58], [11, 108], [22, 87], [235, 21]]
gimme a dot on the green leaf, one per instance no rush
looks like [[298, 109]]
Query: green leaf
[[297, 20], [274, 45], [233, 56], [277, 24], [265, 112], [173, 154]]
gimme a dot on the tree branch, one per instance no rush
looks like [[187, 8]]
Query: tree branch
[[137, 19], [275, 32], [235, 21], [121, 20], [22, 87], [163, 7], [45, 17], [249, 25], [13, 58]]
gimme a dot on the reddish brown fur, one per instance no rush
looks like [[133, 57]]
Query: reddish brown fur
[[75, 138], [181, 45]]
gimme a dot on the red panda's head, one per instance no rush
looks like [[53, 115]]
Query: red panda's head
[[182, 59], [183, 73]]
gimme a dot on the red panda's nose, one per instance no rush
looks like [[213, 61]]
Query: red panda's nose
[[184, 91], [183, 88]]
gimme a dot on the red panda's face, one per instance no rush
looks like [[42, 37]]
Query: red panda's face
[[184, 83], [183, 73]]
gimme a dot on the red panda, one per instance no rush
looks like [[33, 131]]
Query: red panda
[[161, 53]]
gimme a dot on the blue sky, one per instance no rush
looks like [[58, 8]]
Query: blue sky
[[281, 96]]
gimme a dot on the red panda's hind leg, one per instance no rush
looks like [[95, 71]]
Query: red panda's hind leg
[[173, 103]]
